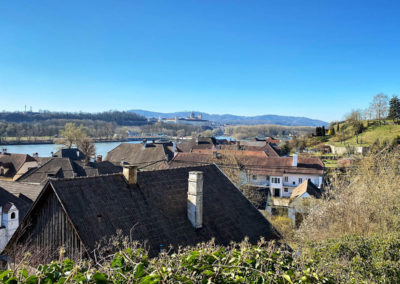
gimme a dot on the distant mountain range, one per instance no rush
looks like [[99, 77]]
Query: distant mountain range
[[236, 119]]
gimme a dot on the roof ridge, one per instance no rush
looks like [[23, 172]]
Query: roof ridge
[[84, 177]]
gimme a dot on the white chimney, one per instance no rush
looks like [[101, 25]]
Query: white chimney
[[295, 158], [174, 149], [195, 199], [130, 173]]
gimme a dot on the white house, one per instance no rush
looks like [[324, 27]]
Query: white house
[[300, 201], [281, 175], [9, 223], [15, 200]]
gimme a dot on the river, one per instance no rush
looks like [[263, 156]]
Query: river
[[44, 150]]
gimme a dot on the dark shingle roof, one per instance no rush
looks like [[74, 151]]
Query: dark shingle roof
[[149, 156], [22, 195], [13, 162], [157, 209], [71, 153], [66, 168]]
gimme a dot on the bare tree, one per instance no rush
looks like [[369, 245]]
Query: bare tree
[[379, 106], [354, 115], [71, 135], [87, 147]]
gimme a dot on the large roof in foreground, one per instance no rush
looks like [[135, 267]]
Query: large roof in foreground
[[155, 209]]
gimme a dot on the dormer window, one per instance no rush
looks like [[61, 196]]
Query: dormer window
[[12, 215]]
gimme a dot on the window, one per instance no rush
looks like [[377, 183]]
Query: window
[[13, 215], [254, 177], [286, 179], [294, 183], [300, 180], [276, 180], [286, 189], [277, 192], [267, 177]]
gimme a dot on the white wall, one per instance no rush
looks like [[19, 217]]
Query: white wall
[[9, 226], [293, 179]]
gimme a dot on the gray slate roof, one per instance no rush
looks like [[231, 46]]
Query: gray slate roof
[[67, 168]]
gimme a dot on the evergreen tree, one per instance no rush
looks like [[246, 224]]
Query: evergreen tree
[[338, 127], [323, 130], [318, 131], [394, 108]]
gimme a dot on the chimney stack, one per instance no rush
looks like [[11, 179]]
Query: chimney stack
[[295, 158], [130, 173], [99, 158], [195, 199], [174, 148]]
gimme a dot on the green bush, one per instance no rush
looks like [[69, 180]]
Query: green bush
[[351, 259]]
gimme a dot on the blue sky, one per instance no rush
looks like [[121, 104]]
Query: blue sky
[[318, 59]]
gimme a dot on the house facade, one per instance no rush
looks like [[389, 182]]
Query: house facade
[[281, 175], [9, 222], [300, 201]]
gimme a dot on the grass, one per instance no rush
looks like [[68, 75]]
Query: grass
[[383, 132], [330, 163]]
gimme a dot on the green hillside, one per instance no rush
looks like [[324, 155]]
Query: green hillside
[[373, 130]]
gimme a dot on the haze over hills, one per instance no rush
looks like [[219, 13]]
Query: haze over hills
[[236, 119]]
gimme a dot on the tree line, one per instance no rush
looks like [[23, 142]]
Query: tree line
[[52, 127], [117, 117]]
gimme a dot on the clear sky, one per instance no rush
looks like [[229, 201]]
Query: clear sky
[[311, 58]]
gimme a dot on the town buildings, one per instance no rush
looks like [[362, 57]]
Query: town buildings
[[191, 120]]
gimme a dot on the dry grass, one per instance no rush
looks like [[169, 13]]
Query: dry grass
[[366, 201]]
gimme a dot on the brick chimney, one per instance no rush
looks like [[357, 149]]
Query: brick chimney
[[99, 158], [195, 199], [130, 173]]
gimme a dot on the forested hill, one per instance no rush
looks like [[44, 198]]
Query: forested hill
[[236, 119], [117, 117]]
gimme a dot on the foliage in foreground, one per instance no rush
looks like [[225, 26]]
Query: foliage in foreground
[[206, 263], [351, 259]]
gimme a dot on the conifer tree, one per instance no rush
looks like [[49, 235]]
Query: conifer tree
[[394, 108]]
